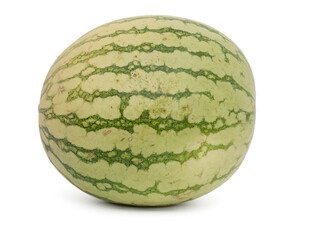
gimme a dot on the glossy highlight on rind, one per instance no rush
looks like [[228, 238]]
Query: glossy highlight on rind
[[148, 111]]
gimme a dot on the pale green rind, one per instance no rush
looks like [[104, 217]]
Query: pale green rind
[[148, 111]]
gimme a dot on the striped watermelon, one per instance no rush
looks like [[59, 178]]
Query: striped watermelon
[[148, 111]]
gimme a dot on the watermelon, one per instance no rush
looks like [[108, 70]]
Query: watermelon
[[148, 111]]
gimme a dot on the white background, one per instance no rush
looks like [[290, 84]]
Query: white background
[[274, 195]]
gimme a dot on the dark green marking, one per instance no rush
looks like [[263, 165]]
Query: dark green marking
[[126, 157], [144, 47], [122, 188], [135, 65], [95, 122], [183, 20], [113, 47], [162, 48], [89, 97], [179, 34]]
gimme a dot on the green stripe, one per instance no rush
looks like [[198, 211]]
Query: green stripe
[[170, 18], [126, 157], [122, 188], [179, 34], [144, 47], [136, 65], [90, 97], [95, 122], [112, 47]]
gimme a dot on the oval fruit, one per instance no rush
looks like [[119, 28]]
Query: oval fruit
[[148, 111]]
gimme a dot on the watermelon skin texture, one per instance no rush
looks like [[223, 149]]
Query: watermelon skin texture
[[148, 111]]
